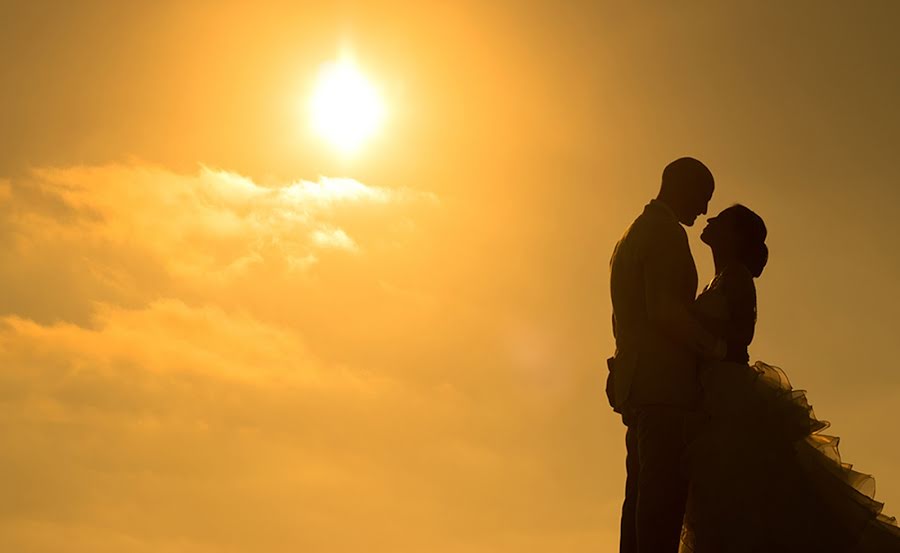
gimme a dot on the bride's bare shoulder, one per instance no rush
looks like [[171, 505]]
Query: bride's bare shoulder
[[738, 286]]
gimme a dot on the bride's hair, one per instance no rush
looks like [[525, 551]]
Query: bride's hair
[[751, 237]]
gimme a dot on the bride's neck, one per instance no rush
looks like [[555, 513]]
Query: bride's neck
[[722, 260]]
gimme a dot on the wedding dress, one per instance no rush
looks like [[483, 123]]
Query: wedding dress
[[764, 477]]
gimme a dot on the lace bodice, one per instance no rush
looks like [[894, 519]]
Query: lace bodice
[[727, 308]]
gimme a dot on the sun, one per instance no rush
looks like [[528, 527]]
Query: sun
[[345, 108]]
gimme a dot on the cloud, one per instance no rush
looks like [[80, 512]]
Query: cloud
[[198, 363], [143, 384], [126, 234], [334, 238], [171, 423]]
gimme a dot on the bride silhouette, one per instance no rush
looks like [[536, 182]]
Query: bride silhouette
[[762, 475]]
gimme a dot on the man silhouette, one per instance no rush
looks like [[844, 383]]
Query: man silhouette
[[653, 381]]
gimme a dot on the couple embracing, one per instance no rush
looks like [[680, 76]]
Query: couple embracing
[[722, 456]]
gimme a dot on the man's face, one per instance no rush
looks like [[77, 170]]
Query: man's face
[[695, 204]]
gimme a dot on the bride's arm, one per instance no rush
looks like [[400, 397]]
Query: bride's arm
[[740, 293]]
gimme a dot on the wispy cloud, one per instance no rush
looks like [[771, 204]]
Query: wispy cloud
[[126, 234]]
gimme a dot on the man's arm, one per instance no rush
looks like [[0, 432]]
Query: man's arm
[[666, 309]]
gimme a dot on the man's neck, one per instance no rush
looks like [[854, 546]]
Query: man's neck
[[662, 203]]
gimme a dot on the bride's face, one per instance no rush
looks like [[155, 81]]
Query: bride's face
[[719, 231]]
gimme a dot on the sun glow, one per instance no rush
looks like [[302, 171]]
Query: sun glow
[[345, 108]]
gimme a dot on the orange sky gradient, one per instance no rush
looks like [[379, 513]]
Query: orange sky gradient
[[217, 334]]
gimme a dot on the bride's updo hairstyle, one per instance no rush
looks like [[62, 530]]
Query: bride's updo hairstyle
[[750, 233]]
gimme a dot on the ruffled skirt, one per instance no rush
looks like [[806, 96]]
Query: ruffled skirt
[[765, 479]]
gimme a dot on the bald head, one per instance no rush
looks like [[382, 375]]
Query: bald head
[[687, 186]]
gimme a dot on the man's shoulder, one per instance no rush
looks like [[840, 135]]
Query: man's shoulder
[[656, 223]]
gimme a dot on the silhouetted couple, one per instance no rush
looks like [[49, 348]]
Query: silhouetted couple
[[722, 456]]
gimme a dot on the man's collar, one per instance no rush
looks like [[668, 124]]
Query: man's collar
[[662, 205]]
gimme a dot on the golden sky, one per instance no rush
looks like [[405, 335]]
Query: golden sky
[[220, 335]]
